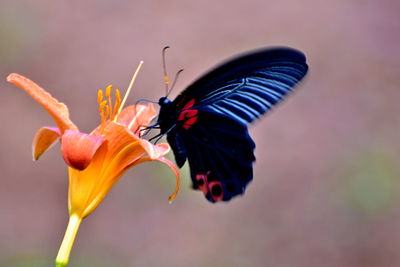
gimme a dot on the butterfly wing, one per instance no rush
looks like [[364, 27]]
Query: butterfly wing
[[220, 154], [248, 86], [209, 119]]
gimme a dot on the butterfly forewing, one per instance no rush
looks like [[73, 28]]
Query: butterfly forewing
[[248, 86]]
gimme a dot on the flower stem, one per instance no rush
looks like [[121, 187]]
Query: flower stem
[[68, 241]]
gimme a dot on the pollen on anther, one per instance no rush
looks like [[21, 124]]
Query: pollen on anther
[[99, 96], [108, 91]]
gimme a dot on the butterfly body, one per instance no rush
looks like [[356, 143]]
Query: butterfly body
[[207, 123], [168, 114]]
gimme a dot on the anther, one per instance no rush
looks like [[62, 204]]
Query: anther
[[108, 95], [108, 91], [99, 96]]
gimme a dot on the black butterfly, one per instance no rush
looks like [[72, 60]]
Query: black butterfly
[[207, 122]]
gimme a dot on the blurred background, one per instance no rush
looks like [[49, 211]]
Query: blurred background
[[326, 181]]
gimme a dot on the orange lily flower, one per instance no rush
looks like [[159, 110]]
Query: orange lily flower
[[96, 160]]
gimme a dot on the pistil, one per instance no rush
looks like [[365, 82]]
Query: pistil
[[128, 90]]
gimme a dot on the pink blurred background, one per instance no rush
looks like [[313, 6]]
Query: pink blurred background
[[326, 185]]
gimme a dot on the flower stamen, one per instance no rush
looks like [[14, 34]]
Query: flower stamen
[[108, 95], [106, 109], [103, 112], [100, 96], [117, 101]]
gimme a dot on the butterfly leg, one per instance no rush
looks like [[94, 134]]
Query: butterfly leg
[[156, 125], [159, 136], [147, 130]]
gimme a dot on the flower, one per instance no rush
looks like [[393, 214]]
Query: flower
[[96, 160]]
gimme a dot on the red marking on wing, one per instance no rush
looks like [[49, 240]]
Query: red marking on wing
[[215, 188], [189, 116], [202, 183], [189, 104]]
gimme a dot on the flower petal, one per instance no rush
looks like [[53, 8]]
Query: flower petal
[[171, 165], [120, 138], [88, 187], [57, 110], [43, 139], [79, 148], [137, 116], [155, 151]]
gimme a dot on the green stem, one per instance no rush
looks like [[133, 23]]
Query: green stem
[[68, 241]]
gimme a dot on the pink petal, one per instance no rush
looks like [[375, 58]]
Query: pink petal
[[137, 116], [155, 151], [43, 139], [79, 148]]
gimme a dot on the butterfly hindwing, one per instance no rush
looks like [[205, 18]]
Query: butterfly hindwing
[[220, 155]]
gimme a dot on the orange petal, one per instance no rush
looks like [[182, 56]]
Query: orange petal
[[57, 110], [172, 167], [137, 116], [177, 177], [79, 148], [43, 139], [119, 138], [88, 187]]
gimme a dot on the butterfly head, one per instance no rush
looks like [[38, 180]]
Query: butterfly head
[[163, 101]]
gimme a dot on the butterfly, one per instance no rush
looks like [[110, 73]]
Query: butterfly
[[207, 123]]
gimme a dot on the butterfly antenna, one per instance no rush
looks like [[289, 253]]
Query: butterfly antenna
[[166, 80], [174, 82], [145, 100]]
